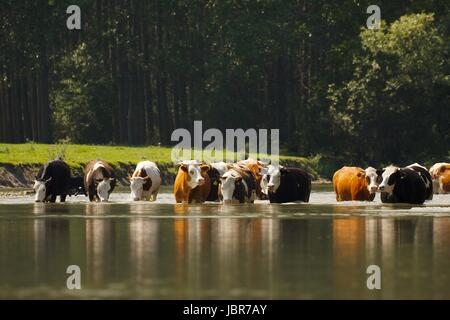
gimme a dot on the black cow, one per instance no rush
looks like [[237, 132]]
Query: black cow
[[286, 184], [52, 180], [214, 177], [76, 186], [402, 185]]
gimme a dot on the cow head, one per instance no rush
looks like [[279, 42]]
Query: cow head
[[228, 185], [389, 177], [271, 179], [104, 188], [137, 187], [373, 179], [194, 173], [40, 187]]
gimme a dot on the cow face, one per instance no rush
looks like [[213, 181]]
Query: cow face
[[137, 187], [103, 189], [373, 179], [228, 185], [40, 187], [194, 172], [271, 179], [389, 176]]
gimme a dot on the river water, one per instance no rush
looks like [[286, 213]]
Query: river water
[[319, 250]]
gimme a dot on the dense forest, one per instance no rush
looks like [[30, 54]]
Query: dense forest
[[138, 69]]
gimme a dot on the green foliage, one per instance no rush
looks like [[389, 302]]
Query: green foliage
[[391, 107]]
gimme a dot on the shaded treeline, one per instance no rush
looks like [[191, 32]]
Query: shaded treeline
[[139, 69]]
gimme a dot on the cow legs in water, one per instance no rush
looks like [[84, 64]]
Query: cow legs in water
[[62, 198], [53, 198]]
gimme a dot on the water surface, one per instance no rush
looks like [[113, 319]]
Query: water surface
[[163, 250]]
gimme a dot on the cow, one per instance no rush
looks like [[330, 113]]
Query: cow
[[355, 184], [145, 181], [237, 185], [426, 177], [440, 173], [215, 172], [52, 181], [286, 184], [256, 167], [99, 180], [401, 185], [192, 184], [76, 186]]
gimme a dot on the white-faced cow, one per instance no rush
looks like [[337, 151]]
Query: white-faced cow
[[145, 181], [99, 180], [192, 183], [402, 185], [286, 184], [52, 181], [237, 185]]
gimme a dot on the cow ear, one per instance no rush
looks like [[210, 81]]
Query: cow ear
[[112, 179], [48, 180], [184, 168], [205, 168]]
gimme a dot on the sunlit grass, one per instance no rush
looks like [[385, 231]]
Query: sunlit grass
[[78, 155]]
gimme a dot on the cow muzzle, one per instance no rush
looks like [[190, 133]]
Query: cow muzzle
[[270, 187], [373, 189], [201, 181]]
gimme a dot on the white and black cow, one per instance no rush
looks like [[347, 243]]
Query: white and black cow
[[237, 185], [52, 181], [216, 171], [402, 185], [145, 181], [286, 184], [99, 180]]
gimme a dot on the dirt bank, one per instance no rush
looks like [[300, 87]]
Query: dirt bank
[[23, 175]]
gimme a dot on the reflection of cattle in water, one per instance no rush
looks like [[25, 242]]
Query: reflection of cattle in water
[[52, 181], [99, 180]]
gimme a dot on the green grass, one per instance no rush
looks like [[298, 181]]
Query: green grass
[[78, 155], [75, 155]]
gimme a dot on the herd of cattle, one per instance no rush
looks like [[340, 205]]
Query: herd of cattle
[[244, 182]]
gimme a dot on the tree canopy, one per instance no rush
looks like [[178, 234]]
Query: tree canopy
[[138, 69]]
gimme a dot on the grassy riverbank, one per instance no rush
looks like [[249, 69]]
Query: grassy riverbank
[[19, 162]]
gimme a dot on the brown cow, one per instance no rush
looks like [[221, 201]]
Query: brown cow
[[440, 173], [354, 183], [99, 180], [192, 184]]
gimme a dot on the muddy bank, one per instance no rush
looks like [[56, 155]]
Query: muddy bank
[[23, 175]]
